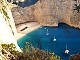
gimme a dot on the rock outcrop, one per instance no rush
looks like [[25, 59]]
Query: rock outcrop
[[49, 13], [7, 25], [75, 57]]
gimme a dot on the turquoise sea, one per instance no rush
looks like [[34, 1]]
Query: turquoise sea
[[64, 34]]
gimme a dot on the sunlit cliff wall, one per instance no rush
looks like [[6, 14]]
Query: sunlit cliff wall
[[7, 25], [49, 13]]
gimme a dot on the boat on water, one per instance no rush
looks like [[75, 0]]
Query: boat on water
[[21, 1], [54, 39], [47, 32], [66, 51], [44, 28]]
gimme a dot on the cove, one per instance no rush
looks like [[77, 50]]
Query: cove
[[64, 34]]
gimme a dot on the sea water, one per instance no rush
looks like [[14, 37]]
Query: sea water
[[26, 3], [64, 34]]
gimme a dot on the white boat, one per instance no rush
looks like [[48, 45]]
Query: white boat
[[44, 28], [54, 39], [66, 51], [22, 0], [17, 1], [47, 32]]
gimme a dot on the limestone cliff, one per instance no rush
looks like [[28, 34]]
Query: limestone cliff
[[7, 25], [49, 13]]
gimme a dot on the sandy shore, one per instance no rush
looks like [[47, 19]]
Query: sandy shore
[[30, 27]]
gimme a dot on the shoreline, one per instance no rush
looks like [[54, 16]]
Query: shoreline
[[31, 26]]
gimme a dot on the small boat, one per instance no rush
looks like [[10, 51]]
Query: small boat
[[66, 51], [54, 39], [22, 0], [17, 1], [47, 32], [44, 28]]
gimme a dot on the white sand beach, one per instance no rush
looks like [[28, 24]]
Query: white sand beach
[[30, 27]]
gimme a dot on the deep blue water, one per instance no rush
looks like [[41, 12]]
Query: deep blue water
[[64, 35], [26, 3]]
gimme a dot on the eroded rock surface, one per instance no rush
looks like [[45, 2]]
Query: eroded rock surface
[[75, 57], [49, 13]]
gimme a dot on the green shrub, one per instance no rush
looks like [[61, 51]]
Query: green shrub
[[9, 47], [30, 53]]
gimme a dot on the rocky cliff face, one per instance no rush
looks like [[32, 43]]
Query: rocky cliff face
[[7, 25], [49, 13]]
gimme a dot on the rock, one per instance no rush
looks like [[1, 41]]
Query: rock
[[48, 13], [75, 57], [22, 15]]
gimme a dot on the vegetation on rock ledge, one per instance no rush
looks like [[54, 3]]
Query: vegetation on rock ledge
[[30, 53]]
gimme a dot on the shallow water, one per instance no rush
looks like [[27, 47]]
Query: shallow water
[[64, 34]]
